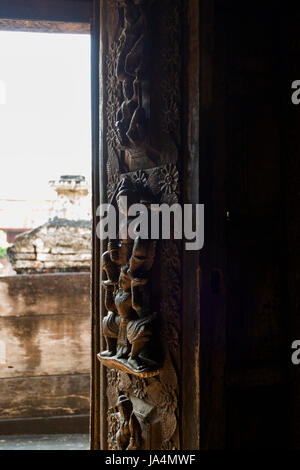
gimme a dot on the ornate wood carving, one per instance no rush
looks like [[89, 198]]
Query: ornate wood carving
[[124, 426], [128, 89], [152, 388], [142, 88], [129, 323], [155, 402]]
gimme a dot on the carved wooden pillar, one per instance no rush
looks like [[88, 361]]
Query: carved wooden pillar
[[146, 326]]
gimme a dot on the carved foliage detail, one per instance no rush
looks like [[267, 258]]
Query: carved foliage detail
[[113, 181], [170, 84], [170, 279], [113, 102]]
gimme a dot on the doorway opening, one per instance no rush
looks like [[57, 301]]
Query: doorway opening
[[45, 229]]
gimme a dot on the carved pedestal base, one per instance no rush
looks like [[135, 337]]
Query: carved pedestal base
[[121, 364]]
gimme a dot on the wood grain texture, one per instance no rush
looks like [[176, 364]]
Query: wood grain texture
[[244, 307], [95, 420], [290, 70], [190, 409], [8, 24]]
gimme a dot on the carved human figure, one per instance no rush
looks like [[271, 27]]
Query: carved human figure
[[126, 111], [139, 331], [131, 37], [130, 328], [131, 117], [111, 320], [127, 326], [136, 132], [130, 71], [128, 436], [117, 255], [119, 249]]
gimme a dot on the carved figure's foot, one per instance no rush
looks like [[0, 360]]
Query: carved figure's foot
[[108, 283], [107, 353], [136, 363]]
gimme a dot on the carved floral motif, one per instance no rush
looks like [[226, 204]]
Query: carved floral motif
[[168, 403], [140, 178], [169, 177], [112, 185]]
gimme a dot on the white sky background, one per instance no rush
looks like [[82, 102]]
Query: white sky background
[[45, 118]]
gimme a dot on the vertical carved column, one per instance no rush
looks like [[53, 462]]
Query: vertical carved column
[[142, 286]]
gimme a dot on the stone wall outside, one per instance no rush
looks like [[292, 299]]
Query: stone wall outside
[[44, 345]]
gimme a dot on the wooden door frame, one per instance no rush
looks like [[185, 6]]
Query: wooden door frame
[[69, 11], [65, 16], [97, 111], [191, 276]]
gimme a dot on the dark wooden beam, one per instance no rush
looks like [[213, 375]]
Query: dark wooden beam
[[71, 11], [8, 24], [96, 253]]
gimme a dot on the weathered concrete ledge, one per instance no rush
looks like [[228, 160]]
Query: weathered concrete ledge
[[44, 345]]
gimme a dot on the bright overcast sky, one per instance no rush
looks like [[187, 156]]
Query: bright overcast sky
[[45, 115]]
